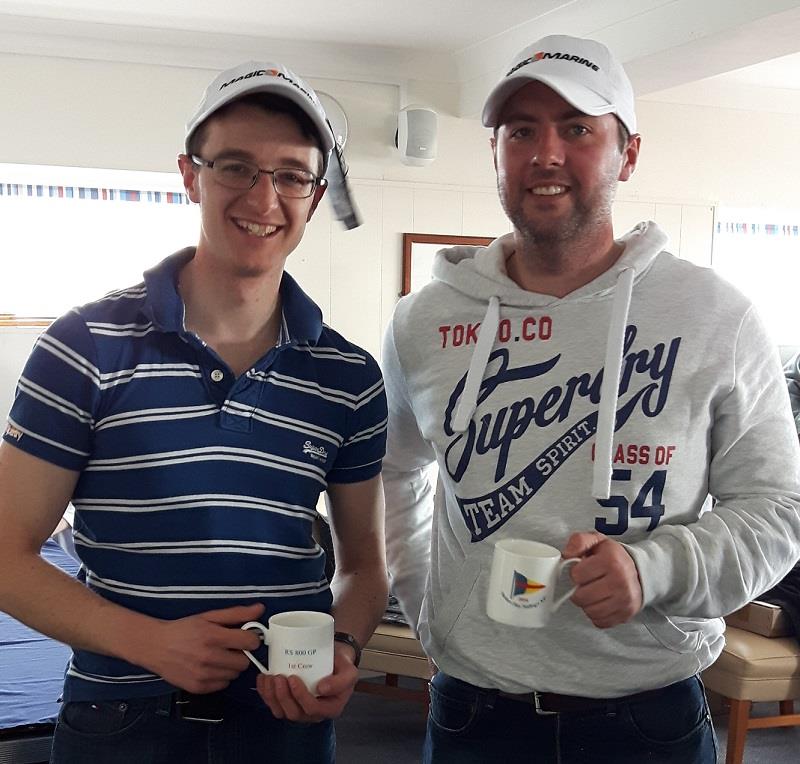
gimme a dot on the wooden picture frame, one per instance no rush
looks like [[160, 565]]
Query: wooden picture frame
[[418, 252]]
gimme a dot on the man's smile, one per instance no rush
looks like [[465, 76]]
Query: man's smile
[[549, 190], [261, 230]]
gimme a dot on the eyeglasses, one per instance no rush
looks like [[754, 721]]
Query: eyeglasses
[[242, 175]]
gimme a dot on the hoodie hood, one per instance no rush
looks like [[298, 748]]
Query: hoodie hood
[[481, 274]]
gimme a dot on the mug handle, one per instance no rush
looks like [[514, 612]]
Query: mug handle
[[557, 603], [256, 626]]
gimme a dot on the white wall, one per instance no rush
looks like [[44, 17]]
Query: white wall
[[703, 154], [15, 345], [125, 116]]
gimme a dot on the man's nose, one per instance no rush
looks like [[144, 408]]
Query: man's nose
[[263, 194], [548, 148]]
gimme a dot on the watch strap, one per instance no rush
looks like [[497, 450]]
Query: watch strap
[[349, 639]]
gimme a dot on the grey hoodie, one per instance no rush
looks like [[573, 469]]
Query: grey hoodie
[[507, 391]]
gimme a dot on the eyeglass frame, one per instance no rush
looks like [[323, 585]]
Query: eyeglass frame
[[318, 182]]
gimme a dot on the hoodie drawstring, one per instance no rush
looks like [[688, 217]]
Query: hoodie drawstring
[[477, 365], [609, 390]]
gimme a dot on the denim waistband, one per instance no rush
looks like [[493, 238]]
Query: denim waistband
[[548, 703]]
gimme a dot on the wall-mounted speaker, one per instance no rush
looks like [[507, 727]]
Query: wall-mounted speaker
[[416, 135]]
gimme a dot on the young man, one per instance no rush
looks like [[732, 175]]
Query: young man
[[598, 395], [193, 421]]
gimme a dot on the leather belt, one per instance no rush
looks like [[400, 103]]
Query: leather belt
[[547, 703], [209, 708]]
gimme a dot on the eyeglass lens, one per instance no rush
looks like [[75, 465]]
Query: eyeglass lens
[[290, 182]]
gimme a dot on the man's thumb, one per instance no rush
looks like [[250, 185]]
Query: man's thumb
[[580, 544]]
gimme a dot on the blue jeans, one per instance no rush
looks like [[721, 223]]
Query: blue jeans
[[471, 725], [149, 731]]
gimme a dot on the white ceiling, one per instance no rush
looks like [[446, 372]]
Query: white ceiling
[[426, 24], [737, 53]]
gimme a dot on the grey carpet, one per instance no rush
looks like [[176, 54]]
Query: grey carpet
[[779, 745]]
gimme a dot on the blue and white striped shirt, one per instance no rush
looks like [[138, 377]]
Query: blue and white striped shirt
[[197, 489]]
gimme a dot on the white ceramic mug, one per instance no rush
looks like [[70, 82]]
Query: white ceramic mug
[[300, 643], [522, 583]]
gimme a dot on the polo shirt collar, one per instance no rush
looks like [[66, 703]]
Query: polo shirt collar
[[301, 319], [163, 304]]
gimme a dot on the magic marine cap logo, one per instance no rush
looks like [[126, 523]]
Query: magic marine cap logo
[[269, 73], [521, 585], [543, 55]]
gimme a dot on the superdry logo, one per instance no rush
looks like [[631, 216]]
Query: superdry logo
[[542, 55], [13, 432], [315, 452], [645, 379], [267, 73]]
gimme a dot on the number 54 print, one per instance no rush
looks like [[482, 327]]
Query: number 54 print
[[647, 504]]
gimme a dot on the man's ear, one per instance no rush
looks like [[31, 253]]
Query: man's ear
[[316, 198], [630, 156], [188, 170], [493, 144]]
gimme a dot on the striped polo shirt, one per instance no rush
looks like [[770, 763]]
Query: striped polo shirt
[[197, 488]]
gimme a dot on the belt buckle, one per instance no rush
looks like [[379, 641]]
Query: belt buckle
[[199, 708], [537, 704]]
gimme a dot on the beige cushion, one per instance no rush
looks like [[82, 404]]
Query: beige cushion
[[393, 649], [752, 667]]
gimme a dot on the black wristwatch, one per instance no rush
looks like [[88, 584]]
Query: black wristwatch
[[349, 639]]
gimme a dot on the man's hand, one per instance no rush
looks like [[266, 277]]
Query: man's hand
[[288, 697], [202, 653], [608, 588]]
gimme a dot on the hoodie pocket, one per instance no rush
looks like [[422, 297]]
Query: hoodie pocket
[[680, 635]]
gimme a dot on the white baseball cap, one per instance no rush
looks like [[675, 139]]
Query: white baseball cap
[[260, 77], [583, 72]]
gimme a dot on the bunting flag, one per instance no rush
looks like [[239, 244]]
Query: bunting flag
[[738, 228], [98, 194]]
